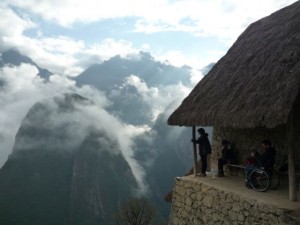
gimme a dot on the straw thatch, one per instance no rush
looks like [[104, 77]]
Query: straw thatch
[[255, 84]]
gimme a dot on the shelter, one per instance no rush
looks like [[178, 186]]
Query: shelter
[[254, 88]]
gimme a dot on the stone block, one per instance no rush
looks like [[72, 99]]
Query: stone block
[[241, 217], [229, 198], [208, 201], [188, 201]]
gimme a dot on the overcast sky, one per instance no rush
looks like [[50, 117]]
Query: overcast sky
[[66, 36]]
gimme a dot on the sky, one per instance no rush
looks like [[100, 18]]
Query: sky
[[67, 36]]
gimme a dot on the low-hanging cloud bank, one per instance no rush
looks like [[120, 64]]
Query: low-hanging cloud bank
[[21, 88]]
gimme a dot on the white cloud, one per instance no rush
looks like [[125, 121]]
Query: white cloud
[[22, 88], [209, 17], [64, 55], [8, 19], [57, 53], [218, 18], [16, 97], [159, 97], [67, 12], [179, 59], [196, 76], [108, 48], [223, 20], [96, 116], [12, 26]]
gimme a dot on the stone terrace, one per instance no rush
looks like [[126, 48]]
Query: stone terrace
[[226, 201]]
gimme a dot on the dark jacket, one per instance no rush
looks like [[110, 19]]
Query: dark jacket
[[266, 159], [228, 154], [204, 145]]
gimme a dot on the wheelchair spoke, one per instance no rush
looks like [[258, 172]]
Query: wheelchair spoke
[[260, 180]]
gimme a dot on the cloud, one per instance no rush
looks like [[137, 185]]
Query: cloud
[[21, 88], [220, 19], [9, 19], [67, 12], [19, 93], [179, 59], [96, 116], [157, 98], [106, 49], [60, 54], [202, 17], [217, 18]]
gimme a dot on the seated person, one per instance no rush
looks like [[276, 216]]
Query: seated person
[[264, 158], [227, 157]]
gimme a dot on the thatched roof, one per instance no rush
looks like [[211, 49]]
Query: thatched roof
[[255, 84]]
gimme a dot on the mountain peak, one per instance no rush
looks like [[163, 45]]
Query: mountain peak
[[15, 58]]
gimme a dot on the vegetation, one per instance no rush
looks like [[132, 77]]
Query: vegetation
[[137, 211]]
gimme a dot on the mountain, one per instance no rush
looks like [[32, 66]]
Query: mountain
[[62, 171], [165, 157], [13, 57], [128, 102], [62, 162], [112, 72], [164, 152]]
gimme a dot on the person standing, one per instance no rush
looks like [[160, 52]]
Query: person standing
[[204, 149]]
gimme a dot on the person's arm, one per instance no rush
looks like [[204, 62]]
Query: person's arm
[[208, 146], [270, 158], [197, 141], [259, 159]]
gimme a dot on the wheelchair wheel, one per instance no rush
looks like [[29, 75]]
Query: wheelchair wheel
[[275, 180], [260, 180]]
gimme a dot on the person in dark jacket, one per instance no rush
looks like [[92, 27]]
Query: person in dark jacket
[[266, 157], [204, 149], [227, 157]]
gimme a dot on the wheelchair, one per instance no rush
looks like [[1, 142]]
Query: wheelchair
[[262, 180]]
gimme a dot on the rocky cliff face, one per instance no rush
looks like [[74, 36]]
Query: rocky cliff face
[[55, 176], [101, 180]]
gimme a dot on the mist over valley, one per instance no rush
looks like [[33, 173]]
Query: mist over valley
[[82, 145]]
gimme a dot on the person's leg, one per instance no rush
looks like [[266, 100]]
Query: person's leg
[[248, 170], [221, 163], [204, 163]]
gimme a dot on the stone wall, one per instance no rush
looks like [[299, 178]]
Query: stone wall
[[195, 203]]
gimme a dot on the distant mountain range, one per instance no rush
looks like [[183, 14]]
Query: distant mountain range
[[112, 72], [110, 76], [80, 174]]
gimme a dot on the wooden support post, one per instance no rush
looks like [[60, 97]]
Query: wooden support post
[[195, 151], [292, 175], [291, 157]]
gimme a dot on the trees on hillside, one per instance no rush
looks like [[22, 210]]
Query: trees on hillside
[[136, 211]]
